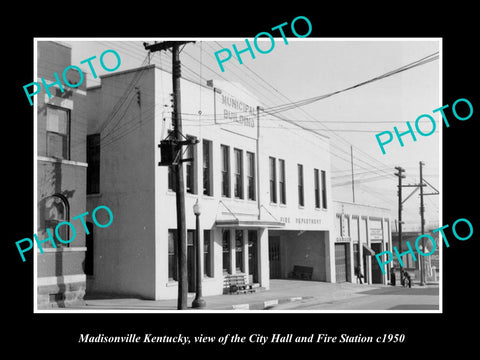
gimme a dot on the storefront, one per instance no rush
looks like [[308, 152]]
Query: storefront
[[361, 232]]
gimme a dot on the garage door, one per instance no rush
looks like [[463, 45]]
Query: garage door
[[341, 262]]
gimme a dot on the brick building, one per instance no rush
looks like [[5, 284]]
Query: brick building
[[61, 170]]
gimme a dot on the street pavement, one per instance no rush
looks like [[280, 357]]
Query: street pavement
[[288, 295], [386, 298]]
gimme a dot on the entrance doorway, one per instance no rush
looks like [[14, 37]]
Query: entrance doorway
[[341, 263], [274, 257], [377, 276]]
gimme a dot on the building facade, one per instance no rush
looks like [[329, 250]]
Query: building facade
[[263, 185], [361, 231], [61, 180]]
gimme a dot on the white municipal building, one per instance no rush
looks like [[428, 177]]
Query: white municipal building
[[264, 191]]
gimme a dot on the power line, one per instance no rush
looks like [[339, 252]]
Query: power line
[[294, 106]]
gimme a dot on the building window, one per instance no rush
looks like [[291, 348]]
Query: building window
[[93, 160], [250, 175], [252, 255], [273, 180], [172, 255], [207, 264], [238, 172], [301, 200], [239, 251], [226, 251], [55, 211], [316, 177], [190, 167], [58, 133], [225, 170], [281, 181], [324, 190], [207, 168]]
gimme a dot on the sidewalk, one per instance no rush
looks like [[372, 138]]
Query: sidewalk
[[281, 291]]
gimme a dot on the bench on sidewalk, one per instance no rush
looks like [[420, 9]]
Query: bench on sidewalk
[[301, 272], [236, 284]]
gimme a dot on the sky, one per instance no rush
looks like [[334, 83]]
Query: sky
[[310, 67]]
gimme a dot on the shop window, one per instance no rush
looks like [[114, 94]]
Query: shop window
[[239, 251], [207, 254], [252, 255], [172, 255], [226, 251]]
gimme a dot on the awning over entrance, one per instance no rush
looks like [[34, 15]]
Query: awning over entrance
[[369, 251], [249, 223]]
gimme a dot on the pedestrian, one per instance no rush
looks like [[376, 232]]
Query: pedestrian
[[407, 279], [392, 277], [359, 275]]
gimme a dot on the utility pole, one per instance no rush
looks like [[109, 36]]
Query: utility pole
[[177, 167], [422, 211], [353, 179], [400, 177]]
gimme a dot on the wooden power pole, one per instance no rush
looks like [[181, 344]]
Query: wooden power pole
[[400, 177], [177, 167]]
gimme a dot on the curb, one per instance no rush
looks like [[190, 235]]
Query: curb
[[262, 305]]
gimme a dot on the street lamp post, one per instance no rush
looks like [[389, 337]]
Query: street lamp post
[[198, 302]]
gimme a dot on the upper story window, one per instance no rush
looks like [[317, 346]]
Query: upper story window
[[225, 153], [250, 175], [207, 168], [301, 199], [58, 133], [273, 180], [190, 167], [324, 189], [281, 182], [316, 179], [238, 180]]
